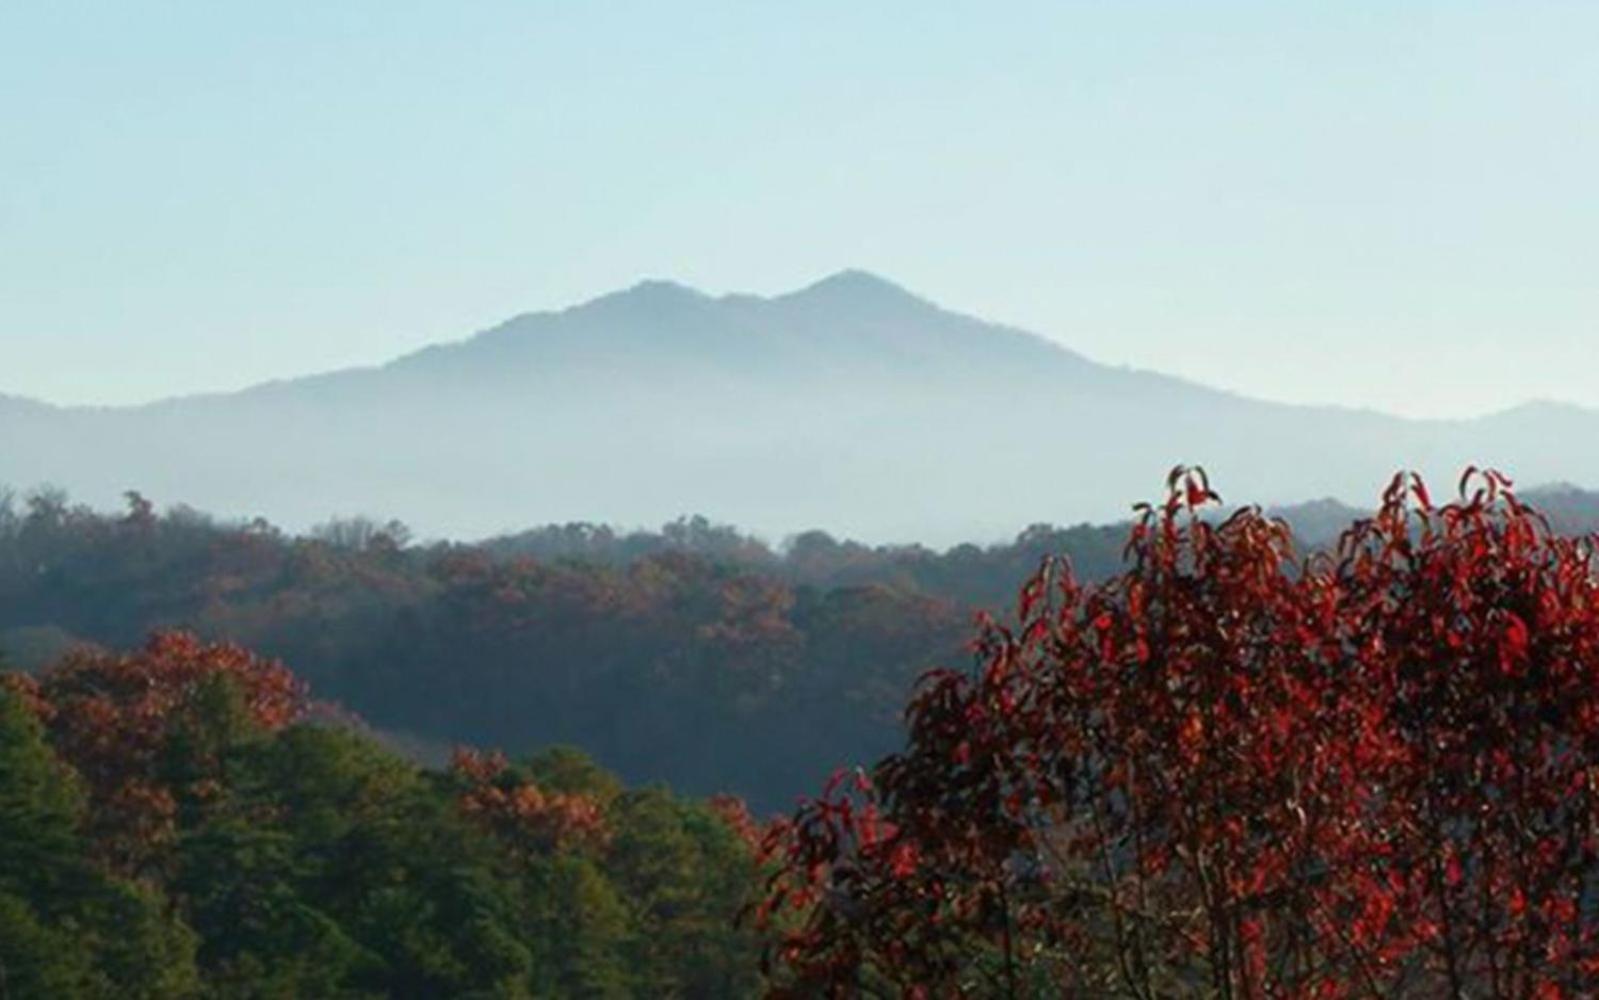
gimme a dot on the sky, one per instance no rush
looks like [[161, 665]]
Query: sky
[[1374, 204]]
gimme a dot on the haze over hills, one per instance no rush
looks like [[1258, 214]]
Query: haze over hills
[[851, 405]]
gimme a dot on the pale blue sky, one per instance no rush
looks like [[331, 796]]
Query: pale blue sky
[[1382, 204]]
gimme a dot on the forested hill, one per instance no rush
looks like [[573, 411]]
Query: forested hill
[[695, 655], [850, 403]]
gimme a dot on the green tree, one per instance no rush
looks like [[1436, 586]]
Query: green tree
[[67, 929], [683, 872], [368, 862], [582, 926]]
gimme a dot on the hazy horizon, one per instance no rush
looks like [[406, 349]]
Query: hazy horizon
[[850, 405], [734, 294], [1383, 207]]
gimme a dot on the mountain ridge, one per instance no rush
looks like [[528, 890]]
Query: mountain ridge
[[653, 291], [851, 404]]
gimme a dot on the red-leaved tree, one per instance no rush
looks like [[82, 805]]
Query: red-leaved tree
[[1234, 771], [118, 720]]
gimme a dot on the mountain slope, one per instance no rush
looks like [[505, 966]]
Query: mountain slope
[[849, 404]]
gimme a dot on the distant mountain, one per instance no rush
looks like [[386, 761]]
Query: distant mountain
[[850, 404], [1569, 509]]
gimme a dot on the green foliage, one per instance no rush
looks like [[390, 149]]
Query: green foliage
[[309, 861], [569, 770], [37, 960], [682, 870], [141, 949], [66, 928], [39, 803], [583, 926], [263, 936]]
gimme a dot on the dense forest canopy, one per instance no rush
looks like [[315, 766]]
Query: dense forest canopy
[[178, 823], [694, 655]]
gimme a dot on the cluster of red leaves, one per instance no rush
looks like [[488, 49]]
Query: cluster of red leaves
[[111, 716], [1236, 772], [533, 822]]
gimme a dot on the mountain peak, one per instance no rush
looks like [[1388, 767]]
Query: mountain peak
[[656, 291], [849, 288], [856, 282], [648, 300], [663, 286], [856, 292]]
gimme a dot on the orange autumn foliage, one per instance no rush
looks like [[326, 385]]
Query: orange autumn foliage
[[111, 716], [518, 812]]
